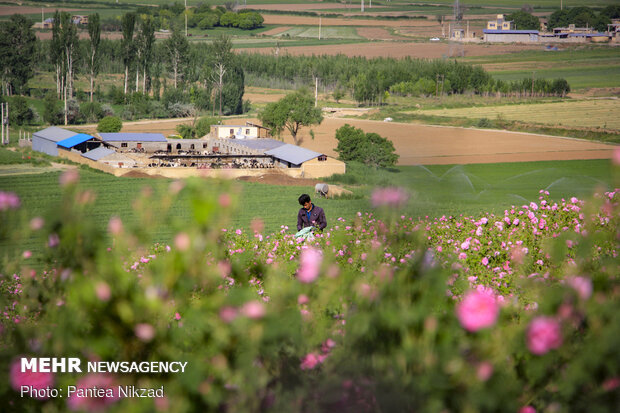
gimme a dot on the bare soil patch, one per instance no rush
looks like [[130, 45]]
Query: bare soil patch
[[427, 145], [343, 21], [276, 31], [303, 7], [377, 33], [10, 10], [398, 50]]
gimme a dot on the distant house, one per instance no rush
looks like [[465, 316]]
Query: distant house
[[500, 24], [571, 29], [247, 131]]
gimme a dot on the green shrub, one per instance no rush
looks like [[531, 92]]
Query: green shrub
[[110, 124]]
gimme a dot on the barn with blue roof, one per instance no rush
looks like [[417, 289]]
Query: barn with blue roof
[[46, 140]]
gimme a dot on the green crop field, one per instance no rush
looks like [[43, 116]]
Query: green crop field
[[327, 32], [435, 190], [585, 113], [578, 77]]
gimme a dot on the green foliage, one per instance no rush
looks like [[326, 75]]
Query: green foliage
[[291, 112], [524, 20], [368, 148], [19, 111], [17, 52], [91, 111], [110, 124], [338, 94], [52, 112], [380, 328], [581, 17]]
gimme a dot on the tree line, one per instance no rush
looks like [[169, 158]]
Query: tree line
[[584, 17], [368, 80]]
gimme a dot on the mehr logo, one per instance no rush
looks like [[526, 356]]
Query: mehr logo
[[51, 365]]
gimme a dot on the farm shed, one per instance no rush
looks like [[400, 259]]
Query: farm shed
[[46, 140], [80, 142], [187, 145], [136, 142], [312, 164], [511, 36]]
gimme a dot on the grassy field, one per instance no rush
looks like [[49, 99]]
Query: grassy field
[[435, 190], [578, 77], [585, 113]]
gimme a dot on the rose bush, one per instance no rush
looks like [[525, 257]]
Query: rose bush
[[486, 313]]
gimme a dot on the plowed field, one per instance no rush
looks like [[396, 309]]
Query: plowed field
[[428, 145]]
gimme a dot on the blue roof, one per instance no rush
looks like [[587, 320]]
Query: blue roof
[[133, 137], [293, 153], [487, 31], [74, 140], [98, 153]]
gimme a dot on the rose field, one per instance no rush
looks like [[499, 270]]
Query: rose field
[[516, 310]]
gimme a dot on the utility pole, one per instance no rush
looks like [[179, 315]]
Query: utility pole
[[319, 28], [185, 18], [362, 6], [316, 91], [4, 120], [532, 84]]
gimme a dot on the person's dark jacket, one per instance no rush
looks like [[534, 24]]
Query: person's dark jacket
[[317, 218]]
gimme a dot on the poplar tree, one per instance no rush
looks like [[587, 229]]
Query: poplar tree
[[145, 41], [17, 53], [94, 33], [56, 54], [177, 49], [128, 23]]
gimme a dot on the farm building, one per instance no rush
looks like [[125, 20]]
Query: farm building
[[46, 140], [312, 164], [110, 157], [135, 142], [511, 36], [500, 24], [80, 142], [247, 131], [186, 145]]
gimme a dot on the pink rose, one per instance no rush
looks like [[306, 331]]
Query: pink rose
[[478, 310], [582, 285], [144, 332], [527, 409], [389, 197], [253, 309], [228, 314], [309, 265], [27, 378], [543, 334], [310, 361]]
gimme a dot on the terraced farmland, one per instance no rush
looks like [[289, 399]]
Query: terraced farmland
[[599, 113]]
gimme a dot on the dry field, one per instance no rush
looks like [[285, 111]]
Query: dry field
[[309, 21], [9, 10], [395, 50], [428, 145], [592, 113]]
